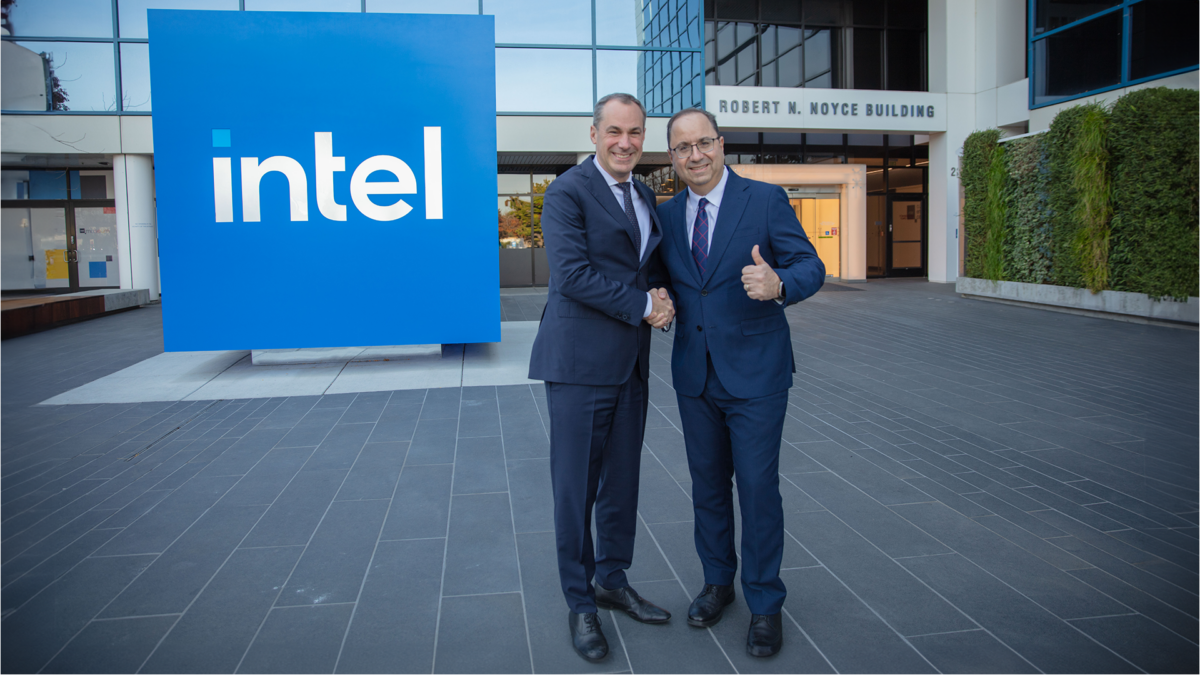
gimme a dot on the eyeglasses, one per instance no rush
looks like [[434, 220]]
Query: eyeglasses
[[685, 149]]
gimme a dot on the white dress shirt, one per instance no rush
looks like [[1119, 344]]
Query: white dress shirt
[[713, 207], [640, 208]]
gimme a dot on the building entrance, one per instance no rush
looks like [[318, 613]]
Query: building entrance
[[906, 237], [821, 220]]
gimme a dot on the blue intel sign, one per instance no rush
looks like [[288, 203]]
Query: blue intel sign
[[325, 180]]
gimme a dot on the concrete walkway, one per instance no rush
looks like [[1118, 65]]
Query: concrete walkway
[[969, 487]]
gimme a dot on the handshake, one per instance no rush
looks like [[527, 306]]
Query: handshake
[[662, 311]]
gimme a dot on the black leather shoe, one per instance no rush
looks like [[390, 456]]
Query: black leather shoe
[[765, 636], [627, 600], [587, 637], [707, 608]]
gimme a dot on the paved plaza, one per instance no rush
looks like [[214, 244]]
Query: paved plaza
[[968, 487]]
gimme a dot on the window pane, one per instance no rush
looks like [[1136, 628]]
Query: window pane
[[81, 75], [905, 180], [423, 6], [303, 6], [132, 13], [512, 183], [544, 80], [789, 69], [40, 234], [59, 18], [818, 54], [904, 63], [827, 12], [135, 76], [565, 22], [681, 82], [767, 43], [788, 38], [1078, 60], [624, 72], [725, 40], [908, 14], [868, 61], [617, 23], [96, 246], [867, 13], [1051, 14], [1164, 36], [785, 11], [736, 9]]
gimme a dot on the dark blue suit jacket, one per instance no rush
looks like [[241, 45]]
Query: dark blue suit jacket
[[592, 330], [749, 340]]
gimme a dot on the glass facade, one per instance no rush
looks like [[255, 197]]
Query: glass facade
[[1078, 48], [827, 44], [552, 56]]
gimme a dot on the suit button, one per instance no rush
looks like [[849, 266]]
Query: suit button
[[704, 293], [699, 329]]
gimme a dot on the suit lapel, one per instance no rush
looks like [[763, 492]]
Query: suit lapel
[[679, 226], [608, 201], [733, 203]]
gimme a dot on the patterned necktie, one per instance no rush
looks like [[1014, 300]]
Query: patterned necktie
[[700, 236], [627, 188]]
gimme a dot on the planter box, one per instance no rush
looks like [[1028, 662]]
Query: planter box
[[1105, 304]]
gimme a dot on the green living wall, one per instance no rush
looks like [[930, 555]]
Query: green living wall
[[1106, 199]]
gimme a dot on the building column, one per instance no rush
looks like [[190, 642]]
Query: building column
[[137, 225]]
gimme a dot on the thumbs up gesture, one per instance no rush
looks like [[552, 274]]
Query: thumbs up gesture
[[760, 281]]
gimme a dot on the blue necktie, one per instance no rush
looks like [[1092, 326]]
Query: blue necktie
[[700, 236]]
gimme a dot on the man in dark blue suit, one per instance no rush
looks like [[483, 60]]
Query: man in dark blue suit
[[593, 351], [736, 256]]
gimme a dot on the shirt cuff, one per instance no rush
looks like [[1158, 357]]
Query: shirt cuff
[[781, 300], [649, 306]]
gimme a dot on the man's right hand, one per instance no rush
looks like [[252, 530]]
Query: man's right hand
[[662, 311]]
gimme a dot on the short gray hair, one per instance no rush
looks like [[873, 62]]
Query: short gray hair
[[712, 119], [627, 99]]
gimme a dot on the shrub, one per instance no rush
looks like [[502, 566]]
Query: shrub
[[976, 161], [1092, 210], [1028, 226]]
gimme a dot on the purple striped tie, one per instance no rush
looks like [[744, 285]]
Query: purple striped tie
[[700, 236]]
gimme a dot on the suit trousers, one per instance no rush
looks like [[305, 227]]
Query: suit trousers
[[595, 460], [728, 438]]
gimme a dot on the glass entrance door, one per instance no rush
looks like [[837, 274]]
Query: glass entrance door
[[820, 218], [906, 237], [36, 247]]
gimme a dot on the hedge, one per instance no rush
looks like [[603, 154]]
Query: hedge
[[1105, 199]]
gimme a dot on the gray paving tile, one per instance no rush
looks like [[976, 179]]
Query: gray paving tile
[[481, 528], [478, 417], [228, 613], [291, 520], [660, 498], [1144, 643], [37, 631], [839, 624], [525, 437], [335, 561], [396, 618], [482, 634], [1047, 642], [375, 472], [1142, 603], [869, 518], [245, 453], [366, 408], [532, 496], [396, 423], [479, 466], [264, 483], [421, 506], [434, 441], [154, 532], [648, 561], [20, 587], [972, 651], [111, 646], [441, 404], [312, 428], [904, 602], [181, 572], [298, 640], [340, 448]]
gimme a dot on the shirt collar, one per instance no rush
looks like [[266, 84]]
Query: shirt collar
[[607, 178], [714, 196]]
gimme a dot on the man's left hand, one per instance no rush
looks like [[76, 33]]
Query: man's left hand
[[760, 281]]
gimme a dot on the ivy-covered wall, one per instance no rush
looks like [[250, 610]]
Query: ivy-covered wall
[[1106, 199]]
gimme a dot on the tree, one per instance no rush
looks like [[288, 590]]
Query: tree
[[527, 211]]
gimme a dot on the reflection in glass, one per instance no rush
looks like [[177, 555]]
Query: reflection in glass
[[512, 183], [904, 63], [618, 22], [1079, 59], [669, 81], [135, 76], [303, 6], [617, 71], [132, 13], [96, 246], [818, 58], [1164, 37], [1051, 14], [40, 234], [543, 80], [80, 74], [562, 22], [423, 6], [59, 18], [868, 58], [23, 86]]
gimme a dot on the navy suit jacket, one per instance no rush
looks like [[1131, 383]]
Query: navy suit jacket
[[592, 330], [749, 340]]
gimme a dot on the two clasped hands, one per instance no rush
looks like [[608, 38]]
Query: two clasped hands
[[759, 280]]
